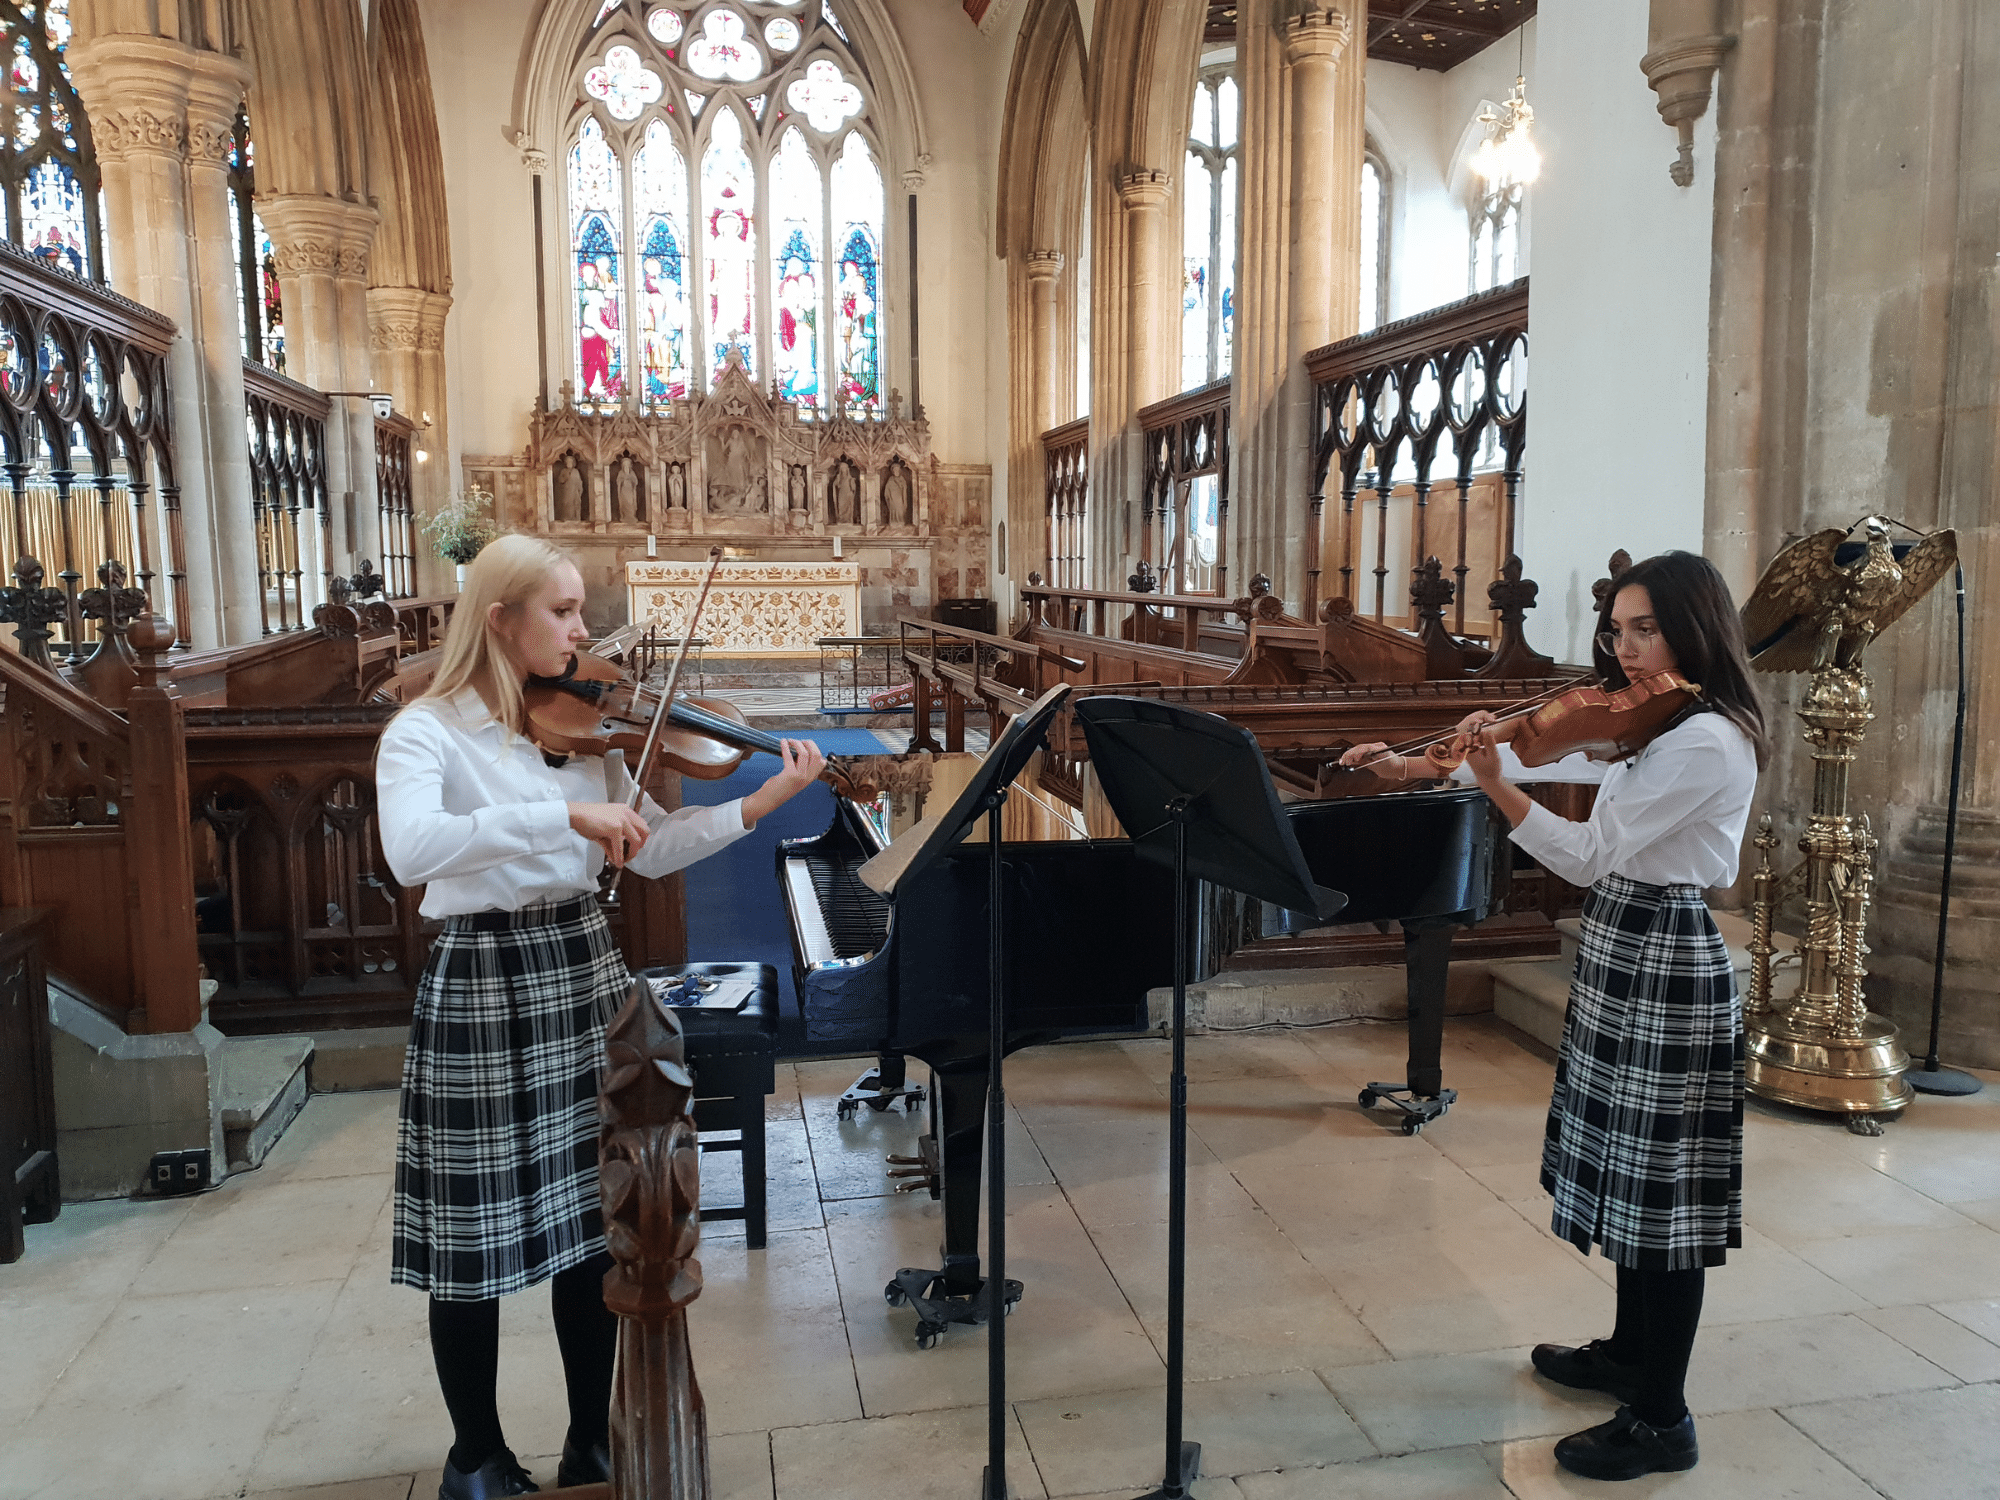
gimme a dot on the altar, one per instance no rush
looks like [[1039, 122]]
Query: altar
[[755, 608]]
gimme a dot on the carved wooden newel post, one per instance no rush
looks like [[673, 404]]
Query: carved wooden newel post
[[651, 1182]]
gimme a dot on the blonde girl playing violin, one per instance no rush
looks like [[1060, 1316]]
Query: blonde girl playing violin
[[1644, 1149], [496, 1150]]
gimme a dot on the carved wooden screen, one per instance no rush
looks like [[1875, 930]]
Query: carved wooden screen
[[1385, 405], [1184, 517], [1066, 466], [392, 501], [85, 443], [287, 423]]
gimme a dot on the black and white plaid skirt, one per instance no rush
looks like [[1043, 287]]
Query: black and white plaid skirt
[[1644, 1151], [496, 1151]]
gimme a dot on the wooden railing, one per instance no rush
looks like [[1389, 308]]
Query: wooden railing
[[84, 407], [1066, 470], [1190, 622], [287, 431], [394, 506], [1386, 405], [1183, 522]]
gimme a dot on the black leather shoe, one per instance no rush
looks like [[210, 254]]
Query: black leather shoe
[[590, 1465], [1627, 1448], [1587, 1369], [501, 1474]]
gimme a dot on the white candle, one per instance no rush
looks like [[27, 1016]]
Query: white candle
[[652, 546], [836, 549]]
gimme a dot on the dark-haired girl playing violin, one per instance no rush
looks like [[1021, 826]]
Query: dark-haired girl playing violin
[[496, 1151], [1644, 1149]]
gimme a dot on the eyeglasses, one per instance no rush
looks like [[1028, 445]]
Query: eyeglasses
[[1641, 636]]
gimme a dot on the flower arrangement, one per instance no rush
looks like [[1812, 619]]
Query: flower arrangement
[[463, 526]]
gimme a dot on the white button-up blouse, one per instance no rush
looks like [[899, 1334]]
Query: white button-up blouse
[[477, 817], [1674, 814]]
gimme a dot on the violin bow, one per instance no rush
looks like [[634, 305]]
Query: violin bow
[[1514, 710], [638, 792]]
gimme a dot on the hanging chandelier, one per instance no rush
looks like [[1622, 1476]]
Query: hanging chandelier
[[1507, 158]]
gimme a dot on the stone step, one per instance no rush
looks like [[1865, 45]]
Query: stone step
[[1303, 997], [263, 1087], [365, 1057], [1532, 995]]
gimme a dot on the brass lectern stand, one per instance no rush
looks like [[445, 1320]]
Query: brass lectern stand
[[1818, 605]]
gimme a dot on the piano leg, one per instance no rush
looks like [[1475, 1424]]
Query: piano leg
[[880, 1087], [955, 1150], [1422, 1096]]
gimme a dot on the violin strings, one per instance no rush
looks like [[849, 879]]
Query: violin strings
[[1514, 711]]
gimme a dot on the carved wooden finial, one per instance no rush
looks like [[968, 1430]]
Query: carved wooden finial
[[1621, 563], [31, 608]]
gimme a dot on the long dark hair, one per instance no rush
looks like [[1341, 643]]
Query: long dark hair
[[1699, 622]]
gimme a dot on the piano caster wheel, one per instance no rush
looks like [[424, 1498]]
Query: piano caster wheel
[[911, 1100], [927, 1335], [849, 1108], [1413, 1126], [1367, 1098], [894, 1295]]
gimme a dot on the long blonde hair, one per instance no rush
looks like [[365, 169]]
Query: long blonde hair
[[507, 572]]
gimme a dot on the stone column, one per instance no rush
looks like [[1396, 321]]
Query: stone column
[[1044, 283], [321, 247], [406, 336], [1034, 412], [159, 112], [1117, 453]]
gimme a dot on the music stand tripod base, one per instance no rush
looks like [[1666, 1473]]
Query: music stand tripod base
[[937, 1310], [1416, 1111]]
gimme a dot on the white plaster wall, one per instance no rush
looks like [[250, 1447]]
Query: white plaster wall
[[490, 350], [1618, 314]]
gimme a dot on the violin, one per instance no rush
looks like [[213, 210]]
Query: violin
[[1605, 724], [596, 706]]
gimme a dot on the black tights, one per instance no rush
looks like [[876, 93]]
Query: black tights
[[465, 1342], [1658, 1312]]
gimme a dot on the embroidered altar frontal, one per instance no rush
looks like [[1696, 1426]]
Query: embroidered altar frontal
[[755, 608]]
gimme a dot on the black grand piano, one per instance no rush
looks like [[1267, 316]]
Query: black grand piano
[[1092, 932]]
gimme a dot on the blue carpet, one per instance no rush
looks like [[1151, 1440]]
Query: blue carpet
[[735, 910]]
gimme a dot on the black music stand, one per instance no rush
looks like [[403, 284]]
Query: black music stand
[[1007, 757], [1192, 790]]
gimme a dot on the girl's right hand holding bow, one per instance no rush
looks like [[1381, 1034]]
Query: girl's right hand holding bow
[[615, 828]]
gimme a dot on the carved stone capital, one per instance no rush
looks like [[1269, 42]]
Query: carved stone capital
[[535, 160], [119, 134], [1144, 187], [406, 317], [1682, 72], [1316, 31], [149, 95], [318, 236], [1044, 265]]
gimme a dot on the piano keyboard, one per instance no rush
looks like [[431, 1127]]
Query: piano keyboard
[[833, 914]]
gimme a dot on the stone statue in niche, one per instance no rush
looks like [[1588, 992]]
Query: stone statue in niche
[[571, 497], [628, 489], [677, 494], [896, 508], [736, 472], [795, 488], [843, 506]]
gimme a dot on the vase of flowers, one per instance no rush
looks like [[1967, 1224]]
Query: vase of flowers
[[461, 527]]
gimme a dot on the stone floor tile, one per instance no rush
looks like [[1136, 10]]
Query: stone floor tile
[[1940, 1340], [769, 1342], [1927, 1445], [337, 1135], [1981, 1316], [1447, 1474], [1518, 1182], [850, 1157], [1486, 1281], [1763, 1281], [1255, 1054], [389, 1487], [1796, 1191], [1461, 1399], [1936, 1148], [1296, 1127], [1749, 1365], [1254, 1302], [1090, 1444], [739, 1466], [916, 1456], [252, 1234], [43, 1339], [370, 1405], [1072, 1332], [1748, 1455], [1913, 1265], [91, 1249], [1202, 1489], [1112, 1165], [1349, 1204], [791, 1193], [1491, 1126]]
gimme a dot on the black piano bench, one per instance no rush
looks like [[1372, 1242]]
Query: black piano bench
[[733, 1054]]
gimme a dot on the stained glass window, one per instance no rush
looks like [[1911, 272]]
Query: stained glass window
[[795, 270], [48, 170], [659, 209], [1208, 231], [595, 241], [1374, 244], [857, 291], [729, 222], [260, 311], [725, 201]]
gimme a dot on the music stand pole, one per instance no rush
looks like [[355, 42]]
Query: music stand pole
[[1183, 1459], [993, 1483]]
